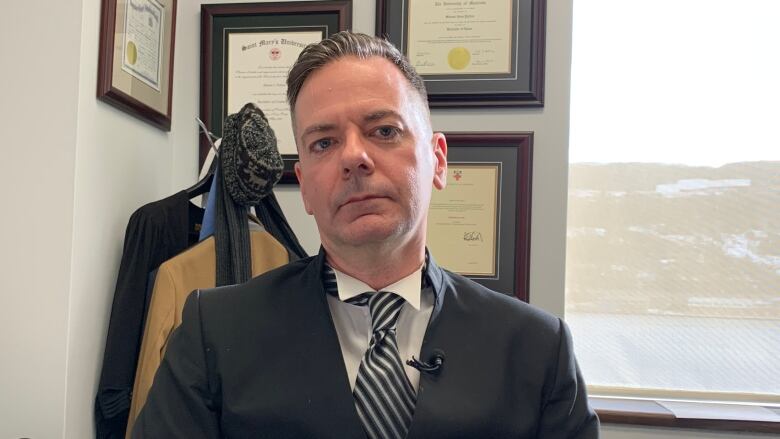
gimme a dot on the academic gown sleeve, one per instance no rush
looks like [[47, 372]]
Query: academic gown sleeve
[[141, 254], [155, 232]]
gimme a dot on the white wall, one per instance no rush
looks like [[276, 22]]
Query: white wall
[[121, 164], [38, 108], [75, 170]]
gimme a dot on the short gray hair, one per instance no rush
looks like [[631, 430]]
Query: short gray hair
[[346, 43]]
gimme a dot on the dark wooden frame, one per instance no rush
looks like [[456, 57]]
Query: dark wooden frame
[[112, 95], [485, 93], [514, 260], [342, 9]]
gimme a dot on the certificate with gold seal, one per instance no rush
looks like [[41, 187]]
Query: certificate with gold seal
[[143, 41], [463, 219], [471, 53], [460, 37]]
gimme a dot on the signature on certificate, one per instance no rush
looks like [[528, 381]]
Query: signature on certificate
[[472, 236]]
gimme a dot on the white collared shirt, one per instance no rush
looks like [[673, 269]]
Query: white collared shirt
[[353, 323]]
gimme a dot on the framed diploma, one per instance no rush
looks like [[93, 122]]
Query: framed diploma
[[247, 50], [479, 225], [471, 53], [135, 60]]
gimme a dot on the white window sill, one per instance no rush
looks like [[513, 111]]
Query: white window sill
[[700, 415]]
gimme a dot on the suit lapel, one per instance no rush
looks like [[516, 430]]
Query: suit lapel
[[428, 408], [327, 373]]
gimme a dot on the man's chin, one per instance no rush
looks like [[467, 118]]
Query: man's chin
[[369, 231]]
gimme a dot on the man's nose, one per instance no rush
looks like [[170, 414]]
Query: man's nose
[[356, 156]]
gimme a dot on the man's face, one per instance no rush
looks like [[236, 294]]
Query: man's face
[[368, 158]]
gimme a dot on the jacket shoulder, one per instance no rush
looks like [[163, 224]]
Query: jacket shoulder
[[500, 308], [263, 287]]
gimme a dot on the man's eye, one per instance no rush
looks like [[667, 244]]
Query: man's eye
[[387, 132], [322, 144]]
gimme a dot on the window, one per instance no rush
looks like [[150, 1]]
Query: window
[[673, 237]]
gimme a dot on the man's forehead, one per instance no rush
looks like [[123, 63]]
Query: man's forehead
[[353, 65], [373, 86], [346, 71]]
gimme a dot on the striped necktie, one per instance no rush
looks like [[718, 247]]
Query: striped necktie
[[384, 397]]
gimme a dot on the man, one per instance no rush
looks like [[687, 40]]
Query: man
[[302, 352]]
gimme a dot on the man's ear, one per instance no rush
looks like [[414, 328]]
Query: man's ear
[[440, 161], [299, 175]]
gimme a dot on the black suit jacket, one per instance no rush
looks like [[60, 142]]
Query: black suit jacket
[[262, 360]]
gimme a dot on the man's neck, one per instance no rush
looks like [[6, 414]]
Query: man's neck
[[377, 268]]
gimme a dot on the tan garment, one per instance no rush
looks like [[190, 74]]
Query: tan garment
[[176, 278]]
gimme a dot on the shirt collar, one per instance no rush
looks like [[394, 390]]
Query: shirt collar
[[408, 287]]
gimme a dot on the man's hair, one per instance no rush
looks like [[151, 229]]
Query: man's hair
[[346, 43]]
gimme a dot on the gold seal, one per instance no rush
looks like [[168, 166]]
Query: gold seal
[[459, 58], [131, 52]]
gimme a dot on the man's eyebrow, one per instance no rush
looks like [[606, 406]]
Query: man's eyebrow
[[318, 128], [379, 115], [370, 117]]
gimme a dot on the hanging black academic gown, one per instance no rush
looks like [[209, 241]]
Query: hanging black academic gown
[[155, 233]]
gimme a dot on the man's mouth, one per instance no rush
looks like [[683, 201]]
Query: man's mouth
[[360, 198]]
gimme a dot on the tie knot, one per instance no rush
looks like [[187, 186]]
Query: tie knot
[[384, 307]]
